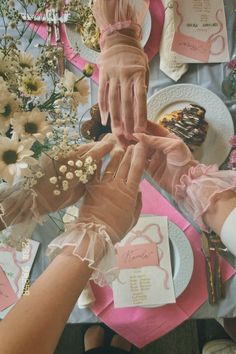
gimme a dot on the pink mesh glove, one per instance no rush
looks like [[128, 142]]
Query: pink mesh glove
[[123, 75], [22, 207], [194, 186], [111, 207]]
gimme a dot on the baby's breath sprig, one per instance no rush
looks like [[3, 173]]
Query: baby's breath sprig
[[80, 170]]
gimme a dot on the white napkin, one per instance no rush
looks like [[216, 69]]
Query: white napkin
[[168, 61], [86, 298]]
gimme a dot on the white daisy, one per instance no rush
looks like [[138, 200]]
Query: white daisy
[[15, 157], [32, 85], [8, 106], [26, 61], [31, 124], [77, 88]]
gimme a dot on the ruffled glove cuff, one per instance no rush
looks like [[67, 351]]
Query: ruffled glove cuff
[[200, 188], [18, 213], [91, 243]]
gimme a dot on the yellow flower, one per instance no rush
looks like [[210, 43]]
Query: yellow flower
[[26, 60], [77, 88], [15, 158], [32, 85], [31, 125], [8, 106]]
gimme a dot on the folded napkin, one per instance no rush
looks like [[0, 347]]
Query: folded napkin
[[153, 323], [168, 61]]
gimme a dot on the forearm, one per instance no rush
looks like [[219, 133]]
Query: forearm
[[38, 319], [217, 213]]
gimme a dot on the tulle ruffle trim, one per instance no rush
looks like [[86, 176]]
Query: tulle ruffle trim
[[91, 243], [201, 188]]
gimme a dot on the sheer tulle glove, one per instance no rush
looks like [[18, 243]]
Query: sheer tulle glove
[[61, 183], [193, 185], [123, 65], [111, 207]]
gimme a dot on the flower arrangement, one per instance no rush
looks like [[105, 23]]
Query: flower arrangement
[[38, 108]]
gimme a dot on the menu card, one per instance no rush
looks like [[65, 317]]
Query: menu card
[[143, 256], [16, 266], [200, 31], [7, 294]]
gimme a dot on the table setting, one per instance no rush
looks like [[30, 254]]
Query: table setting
[[192, 93]]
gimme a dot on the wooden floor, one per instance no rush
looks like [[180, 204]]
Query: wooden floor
[[188, 338]]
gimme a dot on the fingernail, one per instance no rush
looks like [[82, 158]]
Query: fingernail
[[104, 117]]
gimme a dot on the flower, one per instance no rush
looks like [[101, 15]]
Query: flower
[[232, 160], [4, 67], [32, 85], [26, 60], [232, 64], [15, 157], [8, 106], [232, 141], [31, 124], [76, 87], [88, 70]]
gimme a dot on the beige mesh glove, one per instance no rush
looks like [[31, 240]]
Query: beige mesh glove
[[111, 207], [193, 185], [123, 66], [21, 207]]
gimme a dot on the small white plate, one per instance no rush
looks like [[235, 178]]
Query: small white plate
[[216, 147], [90, 55], [182, 260]]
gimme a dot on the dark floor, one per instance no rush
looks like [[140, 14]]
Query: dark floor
[[188, 338]]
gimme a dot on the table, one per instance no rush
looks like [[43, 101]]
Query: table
[[209, 76]]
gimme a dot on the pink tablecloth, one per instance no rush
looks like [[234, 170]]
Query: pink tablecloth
[[151, 48], [139, 325]]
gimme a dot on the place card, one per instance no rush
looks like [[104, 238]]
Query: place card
[[143, 257], [7, 294], [17, 266], [200, 31]]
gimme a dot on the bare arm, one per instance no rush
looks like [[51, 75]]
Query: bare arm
[[219, 211], [35, 324]]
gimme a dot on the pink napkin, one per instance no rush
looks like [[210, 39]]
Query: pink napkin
[[152, 323], [151, 48]]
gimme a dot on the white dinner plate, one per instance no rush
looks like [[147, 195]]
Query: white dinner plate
[[215, 148], [90, 55]]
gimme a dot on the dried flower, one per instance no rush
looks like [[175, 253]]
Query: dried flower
[[8, 106], [32, 85], [76, 87], [31, 124], [15, 156]]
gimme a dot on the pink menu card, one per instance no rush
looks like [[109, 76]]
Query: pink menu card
[[200, 31]]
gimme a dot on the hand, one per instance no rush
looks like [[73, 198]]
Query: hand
[[110, 208], [123, 76], [170, 158], [47, 201], [113, 199]]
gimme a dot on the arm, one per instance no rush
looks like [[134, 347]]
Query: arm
[[38, 319], [218, 212]]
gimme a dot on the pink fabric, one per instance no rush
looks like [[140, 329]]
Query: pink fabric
[[201, 187], [139, 325], [151, 48]]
